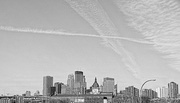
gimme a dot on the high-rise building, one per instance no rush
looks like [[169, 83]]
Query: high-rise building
[[158, 90], [57, 85], [108, 85], [132, 91], [47, 84], [52, 91], [78, 76], [172, 90], [70, 83], [149, 93], [162, 92], [84, 85], [80, 83], [64, 89]]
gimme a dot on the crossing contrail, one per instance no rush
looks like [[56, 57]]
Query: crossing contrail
[[93, 12], [61, 32]]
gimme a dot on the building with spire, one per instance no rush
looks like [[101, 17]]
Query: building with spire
[[95, 87]]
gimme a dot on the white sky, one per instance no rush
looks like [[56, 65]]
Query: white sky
[[34, 42]]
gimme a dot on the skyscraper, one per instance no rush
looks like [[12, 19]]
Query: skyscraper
[[158, 90], [108, 84], [70, 83], [64, 89], [47, 84], [172, 90], [132, 91], [78, 76], [162, 92], [57, 86], [80, 83]]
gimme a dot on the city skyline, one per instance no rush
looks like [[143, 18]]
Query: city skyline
[[103, 38]]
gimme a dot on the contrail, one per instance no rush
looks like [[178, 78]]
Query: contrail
[[97, 17], [58, 32]]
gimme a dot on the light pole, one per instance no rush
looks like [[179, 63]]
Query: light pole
[[142, 87]]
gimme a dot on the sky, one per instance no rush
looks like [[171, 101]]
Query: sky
[[129, 40]]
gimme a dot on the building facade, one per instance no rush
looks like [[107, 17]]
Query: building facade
[[95, 88], [57, 85], [108, 84], [149, 93], [52, 91], [158, 90], [132, 91], [78, 76], [172, 90], [47, 83], [80, 83], [70, 83], [162, 92]]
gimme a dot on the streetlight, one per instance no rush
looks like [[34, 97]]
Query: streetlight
[[143, 85]]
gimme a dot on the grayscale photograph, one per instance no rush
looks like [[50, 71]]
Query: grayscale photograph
[[89, 51]]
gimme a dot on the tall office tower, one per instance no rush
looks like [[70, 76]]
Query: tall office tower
[[172, 90], [108, 84], [158, 90], [164, 92], [132, 91], [57, 85], [64, 89], [153, 94], [80, 83], [84, 84], [47, 84], [78, 76], [70, 83]]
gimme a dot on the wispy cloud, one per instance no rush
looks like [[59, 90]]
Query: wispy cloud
[[62, 32], [159, 22], [95, 15]]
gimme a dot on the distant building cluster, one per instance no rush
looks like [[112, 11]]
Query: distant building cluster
[[76, 91], [76, 84], [149, 93], [168, 92], [131, 91]]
